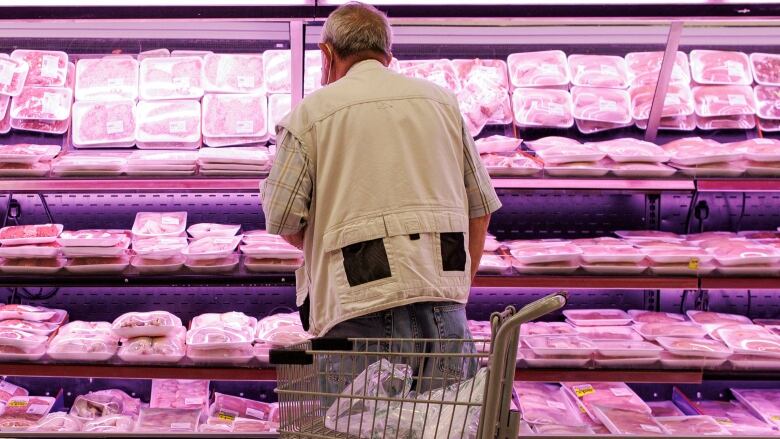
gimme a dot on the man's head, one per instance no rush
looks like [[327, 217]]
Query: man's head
[[354, 32]]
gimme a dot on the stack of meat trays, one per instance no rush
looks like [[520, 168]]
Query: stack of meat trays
[[234, 161], [739, 257], [269, 253], [600, 99], [168, 163], [279, 105], [484, 95], [766, 71], [678, 110], [213, 248], [231, 413], [150, 337], [545, 257], [733, 416], [43, 104], [541, 97], [278, 330], [554, 344], [723, 96], [762, 156], [616, 343], [24, 332], [31, 249], [592, 398], [221, 338], [605, 259], [502, 157], [630, 158], [158, 240], [82, 163], [25, 160], [84, 342], [569, 158], [549, 410], [699, 157], [96, 251]]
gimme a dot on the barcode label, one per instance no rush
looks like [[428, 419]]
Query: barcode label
[[255, 413], [181, 426], [650, 428], [181, 82], [620, 391], [193, 401], [50, 66], [170, 221], [37, 409], [737, 100], [607, 105], [246, 81], [177, 126], [115, 126], [245, 127], [735, 68]]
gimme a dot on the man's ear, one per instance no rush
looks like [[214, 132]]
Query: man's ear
[[388, 59]]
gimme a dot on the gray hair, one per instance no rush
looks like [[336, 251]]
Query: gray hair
[[356, 27]]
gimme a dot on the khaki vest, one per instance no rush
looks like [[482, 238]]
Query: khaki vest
[[388, 221]]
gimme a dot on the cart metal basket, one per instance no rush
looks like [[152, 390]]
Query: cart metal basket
[[405, 388]]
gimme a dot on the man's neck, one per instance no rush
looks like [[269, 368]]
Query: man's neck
[[342, 66]]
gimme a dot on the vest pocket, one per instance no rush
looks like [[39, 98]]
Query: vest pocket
[[453, 251], [365, 262]]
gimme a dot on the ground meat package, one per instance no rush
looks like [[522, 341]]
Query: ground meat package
[[180, 394], [99, 124], [47, 68], [234, 406], [238, 115], [644, 67], [601, 105], [598, 71], [542, 107], [766, 68], [42, 103], [109, 78], [168, 121], [171, 78], [538, 69], [720, 67], [233, 73], [768, 101]]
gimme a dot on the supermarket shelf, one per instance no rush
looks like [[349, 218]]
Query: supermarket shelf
[[624, 375], [114, 184], [738, 185], [742, 283], [116, 371], [601, 184], [587, 282]]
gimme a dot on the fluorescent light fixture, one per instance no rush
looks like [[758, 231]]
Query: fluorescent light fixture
[[152, 3]]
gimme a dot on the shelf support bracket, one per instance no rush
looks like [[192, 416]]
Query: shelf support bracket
[[667, 65]]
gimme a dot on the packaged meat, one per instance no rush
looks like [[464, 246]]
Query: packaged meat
[[720, 67], [58, 422], [677, 123], [203, 230], [759, 149], [179, 394], [92, 238], [545, 253], [654, 330], [559, 430], [32, 265], [601, 105], [694, 347], [312, 71], [28, 153], [211, 247], [98, 265], [712, 320], [166, 420], [614, 333], [492, 244], [41, 126], [105, 122], [234, 115], [13, 74], [218, 336], [9, 390], [597, 317], [80, 163], [591, 127], [104, 403], [733, 416], [171, 78], [82, 345], [578, 169], [157, 266], [695, 151], [664, 409], [605, 394], [542, 108], [677, 255], [5, 102], [17, 338], [30, 234], [497, 144], [145, 324], [253, 426], [560, 345], [493, 264], [745, 253], [644, 68], [642, 316], [542, 403], [598, 71], [741, 122], [37, 169], [599, 254], [764, 403], [22, 412], [229, 356], [42, 103], [277, 71], [767, 101], [28, 326], [534, 69], [714, 170], [234, 406], [279, 105], [281, 330], [168, 121], [154, 224], [233, 73], [47, 68], [159, 248], [766, 68], [549, 268], [677, 102], [50, 250], [112, 77], [628, 422], [484, 105], [272, 265], [631, 150], [109, 424], [511, 164], [750, 340], [768, 125], [692, 426], [555, 155], [212, 266], [725, 100], [154, 53], [440, 72], [551, 141], [492, 72], [546, 328], [270, 248]]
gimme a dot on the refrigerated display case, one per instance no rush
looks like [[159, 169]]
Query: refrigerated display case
[[590, 74]]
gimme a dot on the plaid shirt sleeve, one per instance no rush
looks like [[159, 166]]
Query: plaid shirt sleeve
[[286, 193], [479, 188]]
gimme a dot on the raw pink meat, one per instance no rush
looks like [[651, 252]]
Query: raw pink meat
[[497, 143], [724, 100], [559, 345], [694, 347], [644, 67], [678, 101], [698, 151], [8, 391], [5, 123], [276, 71], [733, 416], [605, 394], [542, 107], [716, 319], [664, 408], [545, 328], [156, 420], [655, 317], [26, 312], [750, 339], [179, 394], [108, 78], [517, 160], [762, 150], [241, 407], [532, 69], [12, 75], [233, 73], [168, 121], [632, 150], [232, 319], [598, 71], [602, 253], [212, 245], [490, 72], [768, 101], [601, 105], [21, 412], [154, 53], [548, 142], [166, 246], [234, 115], [47, 68], [744, 253], [608, 333], [628, 422], [281, 330], [572, 153], [440, 72], [42, 103], [171, 345], [693, 426], [766, 68], [40, 328], [720, 67], [492, 263], [103, 403], [103, 122], [678, 123], [545, 253], [41, 126], [253, 426], [545, 404], [172, 78], [765, 403], [5, 100], [150, 224]]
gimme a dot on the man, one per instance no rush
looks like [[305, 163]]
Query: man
[[378, 181]]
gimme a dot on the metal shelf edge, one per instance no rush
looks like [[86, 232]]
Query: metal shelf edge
[[586, 282], [123, 371], [738, 185], [601, 184], [128, 184]]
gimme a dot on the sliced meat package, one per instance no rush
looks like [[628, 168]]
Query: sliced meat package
[[570, 154], [5, 123], [750, 340], [606, 395], [759, 149], [279, 105], [159, 248], [165, 420], [545, 404], [497, 143], [489, 72], [677, 123], [233, 73], [724, 100], [31, 327], [145, 324], [598, 71], [234, 406], [100, 123], [27, 153], [603, 253], [538, 69], [720, 67], [47, 68], [768, 101], [5, 103], [694, 151], [159, 224], [276, 71], [628, 422], [631, 150], [58, 422], [13, 73], [154, 53], [84, 341], [511, 164], [179, 394], [22, 412], [764, 403], [171, 78], [644, 67], [560, 345], [281, 330], [677, 102], [601, 105], [766, 68], [42, 103], [441, 72], [642, 316], [203, 230], [235, 115], [734, 417], [21, 339], [168, 121], [104, 403], [211, 247], [269, 247], [245, 155], [692, 426], [41, 126], [110, 78], [615, 333], [542, 107]]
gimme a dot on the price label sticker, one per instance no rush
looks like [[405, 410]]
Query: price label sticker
[[608, 70], [38, 409], [7, 69], [607, 105], [181, 82], [226, 416], [737, 100], [17, 403], [246, 81], [170, 221], [735, 68], [549, 69], [177, 126], [621, 391], [50, 66], [115, 127], [672, 100], [556, 109], [556, 405], [115, 82], [245, 127], [650, 428], [181, 426], [774, 418], [724, 421], [582, 390], [693, 264], [193, 401]]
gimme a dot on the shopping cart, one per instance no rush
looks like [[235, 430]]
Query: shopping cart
[[405, 388]]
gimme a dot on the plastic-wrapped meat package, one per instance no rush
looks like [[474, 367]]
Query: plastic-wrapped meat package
[[104, 403], [598, 71], [538, 69], [545, 404], [768, 101], [109, 424], [680, 425], [628, 422], [281, 330], [564, 431], [165, 349], [58, 422], [766, 68], [276, 71], [694, 347], [591, 127], [713, 320], [84, 341], [234, 406], [664, 409], [605, 394], [570, 154], [167, 420], [764, 403], [27, 313], [759, 150], [631, 150], [546, 328], [233, 73], [733, 416], [5, 123], [493, 264], [171, 78], [270, 247], [20, 339], [22, 412], [644, 67], [694, 151], [560, 345], [42, 103], [618, 333], [47, 68], [511, 164], [216, 425], [601, 254], [720, 67], [154, 224], [145, 324], [549, 142], [642, 316], [279, 105], [601, 105], [597, 317], [486, 77], [227, 356], [497, 143], [253, 426], [725, 100], [100, 123], [179, 394], [677, 123], [480, 104], [543, 253], [492, 71], [542, 107], [677, 102], [112, 77], [440, 72], [234, 115], [168, 121], [750, 340], [731, 253], [312, 71], [221, 331], [13, 74], [211, 247]]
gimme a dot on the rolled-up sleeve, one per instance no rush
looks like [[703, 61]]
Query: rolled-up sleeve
[[286, 193], [479, 188]]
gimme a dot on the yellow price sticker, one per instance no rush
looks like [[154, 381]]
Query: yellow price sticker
[[775, 418], [693, 264], [583, 390], [724, 421], [17, 404], [226, 416]]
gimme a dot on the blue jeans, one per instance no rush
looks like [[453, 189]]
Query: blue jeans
[[426, 320]]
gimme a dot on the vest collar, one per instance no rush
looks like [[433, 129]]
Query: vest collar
[[364, 66]]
